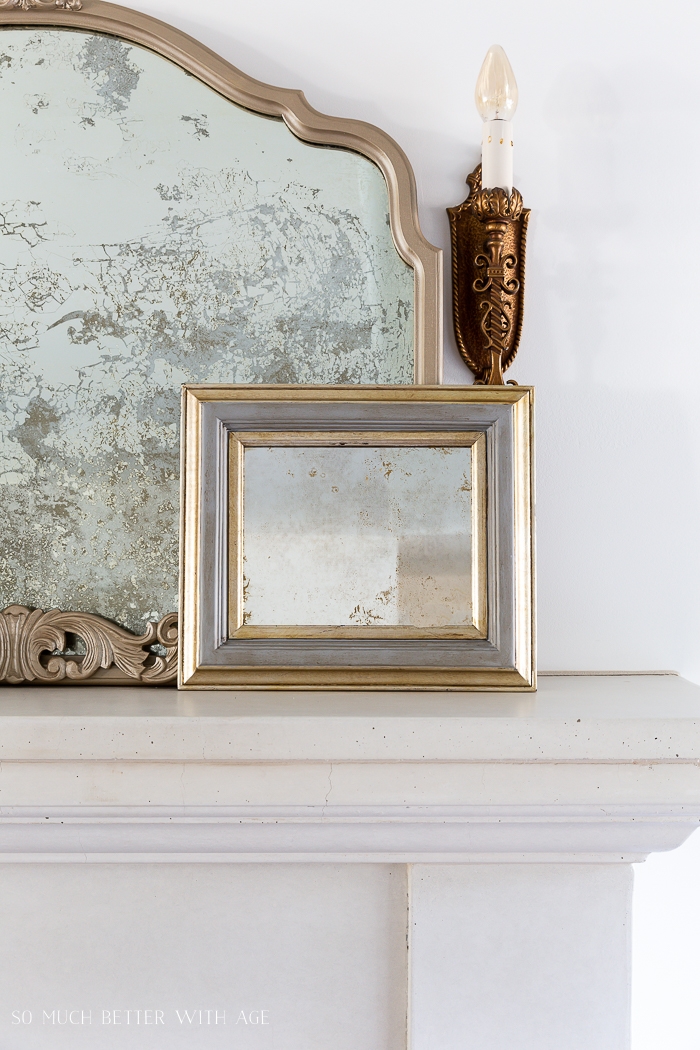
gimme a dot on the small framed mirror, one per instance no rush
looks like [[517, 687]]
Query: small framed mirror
[[367, 537]]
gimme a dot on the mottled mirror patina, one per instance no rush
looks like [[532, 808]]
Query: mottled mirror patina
[[353, 536], [155, 233]]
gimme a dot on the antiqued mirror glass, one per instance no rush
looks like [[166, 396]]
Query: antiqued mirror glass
[[357, 536], [154, 233]]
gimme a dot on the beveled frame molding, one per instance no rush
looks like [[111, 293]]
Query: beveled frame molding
[[210, 658], [238, 442], [302, 120]]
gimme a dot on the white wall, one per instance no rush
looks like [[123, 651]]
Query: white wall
[[606, 153], [666, 962]]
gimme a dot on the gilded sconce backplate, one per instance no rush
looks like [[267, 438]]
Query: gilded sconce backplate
[[488, 276]]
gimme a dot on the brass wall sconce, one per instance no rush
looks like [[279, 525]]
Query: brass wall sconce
[[488, 237]]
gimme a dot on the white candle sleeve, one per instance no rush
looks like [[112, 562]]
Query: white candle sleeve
[[497, 155]]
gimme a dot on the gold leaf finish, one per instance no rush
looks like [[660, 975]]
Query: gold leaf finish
[[488, 276], [33, 648]]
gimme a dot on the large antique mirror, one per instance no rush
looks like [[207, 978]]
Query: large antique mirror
[[166, 220]]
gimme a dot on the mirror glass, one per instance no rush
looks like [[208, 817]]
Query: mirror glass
[[154, 233], [357, 536]]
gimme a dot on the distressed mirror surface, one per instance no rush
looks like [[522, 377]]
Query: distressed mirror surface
[[353, 536], [155, 233]]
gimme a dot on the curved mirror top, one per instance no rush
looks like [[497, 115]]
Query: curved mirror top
[[155, 233]]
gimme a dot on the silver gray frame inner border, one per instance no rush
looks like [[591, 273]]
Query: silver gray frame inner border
[[219, 419]]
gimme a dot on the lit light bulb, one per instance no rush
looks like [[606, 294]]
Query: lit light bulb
[[496, 98]]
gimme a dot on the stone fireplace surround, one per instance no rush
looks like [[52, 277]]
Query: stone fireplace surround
[[365, 870]]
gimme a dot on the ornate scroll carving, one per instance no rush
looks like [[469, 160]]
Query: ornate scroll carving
[[33, 647], [488, 274], [28, 5]]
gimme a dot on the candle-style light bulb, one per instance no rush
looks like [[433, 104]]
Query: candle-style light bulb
[[496, 92], [496, 99]]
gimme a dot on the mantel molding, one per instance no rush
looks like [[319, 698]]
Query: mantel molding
[[586, 770], [343, 834]]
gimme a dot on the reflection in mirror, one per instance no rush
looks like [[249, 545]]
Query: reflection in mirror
[[154, 233], [357, 536]]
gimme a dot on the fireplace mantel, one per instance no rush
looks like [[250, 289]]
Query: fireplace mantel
[[588, 769], [512, 819]]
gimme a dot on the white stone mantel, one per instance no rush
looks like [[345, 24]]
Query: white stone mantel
[[587, 769], [488, 905]]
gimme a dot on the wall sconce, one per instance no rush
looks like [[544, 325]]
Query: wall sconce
[[488, 236]]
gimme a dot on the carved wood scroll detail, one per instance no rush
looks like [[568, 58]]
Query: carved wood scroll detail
[[29, 5], [33, 647]]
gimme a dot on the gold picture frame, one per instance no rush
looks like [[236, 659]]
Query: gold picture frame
[[221, 651]]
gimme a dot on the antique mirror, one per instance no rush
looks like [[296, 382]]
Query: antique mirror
[[357, 537], [166, 220]]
